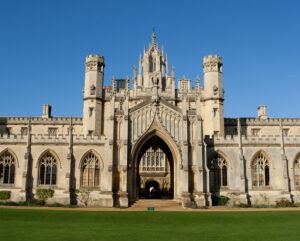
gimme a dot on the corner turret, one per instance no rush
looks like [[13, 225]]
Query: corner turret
[[213, 96], [92, 95]]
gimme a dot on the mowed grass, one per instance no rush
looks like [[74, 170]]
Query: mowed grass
[[44, 225]]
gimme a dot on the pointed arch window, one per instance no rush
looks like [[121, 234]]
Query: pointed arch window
[[218, 172], [153, 160], [260, 171], [7, 168], [47, 169], [90, 171], [297, 171]]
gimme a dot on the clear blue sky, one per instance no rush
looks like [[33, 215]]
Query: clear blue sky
[[43, 45]]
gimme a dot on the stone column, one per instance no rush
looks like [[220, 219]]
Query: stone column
[[185, 195], [111, 162], [123, 162], [286, 174], [71, 175], [27, 181], [199, 192], [243, 163]]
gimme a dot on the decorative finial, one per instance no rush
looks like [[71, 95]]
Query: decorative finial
[[113, 83], [172, 71], [153, 37], [197, 81], [134, 73]]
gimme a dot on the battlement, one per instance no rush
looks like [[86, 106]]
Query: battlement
[[269, 140], [262, 122], [58, 139], [209, 59], [94, 58], [273, 121], [40, 120]]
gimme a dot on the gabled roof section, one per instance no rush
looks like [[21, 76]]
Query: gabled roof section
[[140, 105], [173, 107], [149, 101]]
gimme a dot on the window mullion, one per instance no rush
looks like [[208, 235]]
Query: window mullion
[[45, 174], [50, 174], [8, 180]]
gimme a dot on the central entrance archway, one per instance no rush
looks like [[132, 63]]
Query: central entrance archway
[[154, 170]]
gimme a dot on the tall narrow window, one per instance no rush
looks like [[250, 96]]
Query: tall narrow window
[[297, 171], [218, 172], [47, 169], [7, 168], [90, 171], [215, 111], [260, 171]]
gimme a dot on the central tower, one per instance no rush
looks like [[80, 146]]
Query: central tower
[[153, 72]]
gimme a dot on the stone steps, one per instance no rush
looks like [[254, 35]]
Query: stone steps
[[156, 204]]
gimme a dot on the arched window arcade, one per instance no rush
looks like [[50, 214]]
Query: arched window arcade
[[218, 172], [7, 168], [48, 169], [297, 171], [260, 170], [90, 171]]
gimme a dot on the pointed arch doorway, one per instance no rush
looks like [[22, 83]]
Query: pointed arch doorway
[[154, 170]]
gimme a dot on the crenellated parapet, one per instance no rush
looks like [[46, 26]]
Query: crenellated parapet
[[12, 139], [94, 62], [269, 121], [83, 140], [262, 140], [40, 120], [46, 139], [273, 121], [212, 63]]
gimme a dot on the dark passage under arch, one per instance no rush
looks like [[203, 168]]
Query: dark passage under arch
[[155, 170]]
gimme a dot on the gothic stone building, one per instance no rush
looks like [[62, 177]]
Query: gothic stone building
[[151, 141]]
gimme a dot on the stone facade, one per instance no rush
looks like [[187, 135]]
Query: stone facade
[[143, 138]]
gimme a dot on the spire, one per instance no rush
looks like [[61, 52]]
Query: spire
[[167, 65], [153, 38], [197, 82], [172, 71], [112, 84], [127, 85], [139, 82], [134, 73]]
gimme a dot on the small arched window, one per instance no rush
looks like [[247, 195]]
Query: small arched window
[[90, 171], [260, 171], [297, 171], [218, 172], [47, 169], [7, 168]]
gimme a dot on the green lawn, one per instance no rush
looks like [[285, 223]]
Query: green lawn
[[43, 225]]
